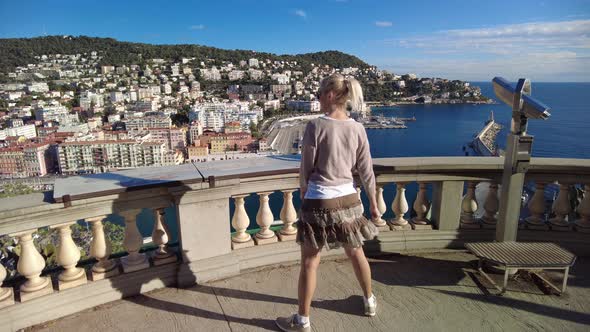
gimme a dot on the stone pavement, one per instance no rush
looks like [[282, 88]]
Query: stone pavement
[[428, 292]]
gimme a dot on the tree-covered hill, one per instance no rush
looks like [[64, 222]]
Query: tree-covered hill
[[21, 51]]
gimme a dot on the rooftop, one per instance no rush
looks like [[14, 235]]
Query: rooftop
[[419, 291]]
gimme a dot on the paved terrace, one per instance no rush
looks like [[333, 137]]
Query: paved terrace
[[434, 291]]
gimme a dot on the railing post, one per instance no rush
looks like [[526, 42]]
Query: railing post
[[6, 293], [134, 261], [288, 216], [264, 219], [583, 224], [491, 206], [100, 248], [561, 207], [468, 208], [68, 256], [358, 192], [382, 224], [204, 235], [163, 255], [537, 209], [400, 207], [30, 265], [421, 206], [446, 204], [240, 223]]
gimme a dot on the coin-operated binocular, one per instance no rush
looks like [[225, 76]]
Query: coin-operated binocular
[[518, 150]]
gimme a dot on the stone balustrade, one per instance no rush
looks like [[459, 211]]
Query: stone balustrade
[[425, 203]]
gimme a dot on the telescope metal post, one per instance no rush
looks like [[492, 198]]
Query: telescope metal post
[[516, 162]]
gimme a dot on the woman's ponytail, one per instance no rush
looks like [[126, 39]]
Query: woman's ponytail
[[355, 94]]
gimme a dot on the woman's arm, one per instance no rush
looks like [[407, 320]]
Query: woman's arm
[[364, 166], [308, 150]]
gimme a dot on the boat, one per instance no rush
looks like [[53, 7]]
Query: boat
[[484, 142]]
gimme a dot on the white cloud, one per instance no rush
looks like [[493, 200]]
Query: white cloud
[[545, 50], [197, 27], [300, 13], [559, 66], [383, 24], [515, 38]]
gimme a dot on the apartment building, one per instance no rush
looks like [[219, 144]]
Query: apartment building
[[26, 160], [101, 156]]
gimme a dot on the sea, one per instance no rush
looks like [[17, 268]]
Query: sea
[[444, 130]]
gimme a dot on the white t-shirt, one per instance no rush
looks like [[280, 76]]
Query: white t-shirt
[[318, 191]]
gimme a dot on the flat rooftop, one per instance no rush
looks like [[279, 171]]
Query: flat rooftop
[[429, 291]]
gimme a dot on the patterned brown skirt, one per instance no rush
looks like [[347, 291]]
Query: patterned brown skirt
[[333, 223]]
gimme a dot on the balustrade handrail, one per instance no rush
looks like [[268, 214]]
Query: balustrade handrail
[[34, 211]]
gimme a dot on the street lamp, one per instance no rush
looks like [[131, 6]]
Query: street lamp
[[518, 151]]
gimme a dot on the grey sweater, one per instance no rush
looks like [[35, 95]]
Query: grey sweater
[[332, 150]]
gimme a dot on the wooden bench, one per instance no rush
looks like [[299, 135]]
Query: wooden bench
[[513, 256]]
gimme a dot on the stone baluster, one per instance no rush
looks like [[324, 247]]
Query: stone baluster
[[400, 208], [264, 219], [6, 294], [382, 208], [468, 207], [561, 207], [491, 206], [134, 260], [30, 265], [583, 224], [240, 223], [358, 192], [100, 248], [68, 255], [537, 209], [163, 255], [288, 216], [421, 206]]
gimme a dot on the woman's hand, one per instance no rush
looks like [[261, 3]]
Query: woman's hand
[[375, 213]]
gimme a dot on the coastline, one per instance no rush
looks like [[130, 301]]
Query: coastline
[[400, 103]]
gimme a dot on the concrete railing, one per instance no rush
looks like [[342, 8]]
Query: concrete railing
[[445, 205]]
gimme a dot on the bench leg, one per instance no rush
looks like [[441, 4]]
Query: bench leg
[[565, 276], [563, 284], [485, 275], [503, 290]]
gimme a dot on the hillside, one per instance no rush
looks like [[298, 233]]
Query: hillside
[[21, 51]]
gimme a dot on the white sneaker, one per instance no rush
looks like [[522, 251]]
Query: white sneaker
[[290, 324], [370, 306]]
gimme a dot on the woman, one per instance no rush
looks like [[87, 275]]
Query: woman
[[333, 146]]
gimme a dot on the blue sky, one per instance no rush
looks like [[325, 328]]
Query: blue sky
[[470, 40]]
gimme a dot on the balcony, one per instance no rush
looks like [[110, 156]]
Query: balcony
[[247, 277]]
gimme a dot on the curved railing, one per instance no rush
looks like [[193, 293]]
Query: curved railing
[[443, 201]]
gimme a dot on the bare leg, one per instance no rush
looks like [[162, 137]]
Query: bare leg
[[361, 267], [310, 260]]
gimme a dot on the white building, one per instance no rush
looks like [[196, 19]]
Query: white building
[[143, 122], [117, 97], [37, 87], [212, 74], [236, 75], [255, 74], [194, 131], [303, 105], [280, 78], [253, 62], [28, 131], [54, 113]]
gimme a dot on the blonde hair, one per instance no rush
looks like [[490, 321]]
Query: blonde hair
[[346, 90]]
